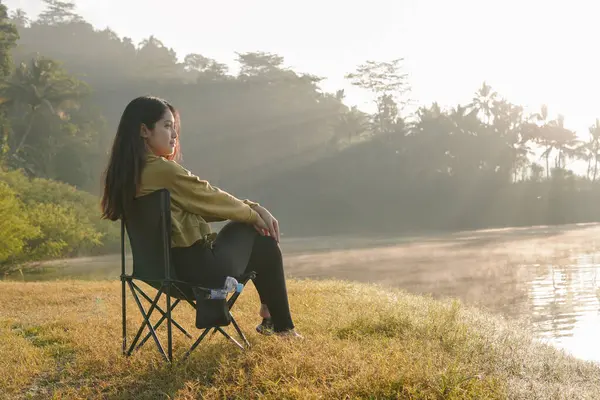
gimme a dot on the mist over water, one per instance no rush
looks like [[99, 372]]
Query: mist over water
[[547, 276]]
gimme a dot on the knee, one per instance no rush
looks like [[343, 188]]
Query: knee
[[268, 244], [236, 226], [235, 231]]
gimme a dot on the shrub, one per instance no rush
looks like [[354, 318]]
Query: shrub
[[15, 227], [44, 219]]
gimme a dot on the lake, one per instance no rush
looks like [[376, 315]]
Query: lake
[[546, 276]]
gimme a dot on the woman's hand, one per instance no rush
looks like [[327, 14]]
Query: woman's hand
[[261, 226], [267, 222]]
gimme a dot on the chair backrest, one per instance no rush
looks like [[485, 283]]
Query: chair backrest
[[148, 226]]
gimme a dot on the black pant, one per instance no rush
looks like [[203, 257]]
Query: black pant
[[238, 249]]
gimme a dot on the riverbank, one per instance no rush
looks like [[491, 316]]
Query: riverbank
[[62, 340], [320, 244]]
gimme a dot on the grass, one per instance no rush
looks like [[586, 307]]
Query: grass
[[61, 340]]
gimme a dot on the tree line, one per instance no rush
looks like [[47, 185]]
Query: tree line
[[271, 133]]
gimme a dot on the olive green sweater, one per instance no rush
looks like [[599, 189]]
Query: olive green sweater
[[194, 202]]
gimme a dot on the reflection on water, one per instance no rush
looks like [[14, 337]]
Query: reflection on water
[[546, 275], [565, 303]]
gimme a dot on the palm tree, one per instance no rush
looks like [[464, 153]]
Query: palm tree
[[41, 85], [387, 118], [542, 116], [513, 134], [593, 147], [552, 135], [20, 18], [152, 41], [429, 133], [557, 138], [483, 101], [537, 133], [352, 123], [536, 172], [584, 153]]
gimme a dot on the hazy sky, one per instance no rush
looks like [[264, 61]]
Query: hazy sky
[[531, 51]]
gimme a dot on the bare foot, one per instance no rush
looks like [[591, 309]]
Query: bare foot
[[291, 334], [264, 311]]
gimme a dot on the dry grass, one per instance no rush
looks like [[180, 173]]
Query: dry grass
[[61, 340]]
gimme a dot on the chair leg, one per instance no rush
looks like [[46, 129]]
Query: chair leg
[[239, 331], [159, 323], [229, 337], [190, 302], [212, 334], [164, 316], [168, 316], [124, 314], [230, 303], [141, 328], [196, 343], [169, 324], [146, 322]]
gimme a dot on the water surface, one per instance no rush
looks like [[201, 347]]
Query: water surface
[[547, 276]]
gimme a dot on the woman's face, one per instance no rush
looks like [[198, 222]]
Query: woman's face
[[162, 139]]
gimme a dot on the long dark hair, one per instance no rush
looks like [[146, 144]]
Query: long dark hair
[[128, 155]]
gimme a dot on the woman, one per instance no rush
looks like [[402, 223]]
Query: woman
[[143, 160]]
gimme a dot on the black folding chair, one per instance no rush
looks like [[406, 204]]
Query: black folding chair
[[148, 227]]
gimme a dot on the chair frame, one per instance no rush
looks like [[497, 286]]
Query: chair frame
[[168, 286]]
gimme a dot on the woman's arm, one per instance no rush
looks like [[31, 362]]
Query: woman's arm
[[200, 197], [211, 218]]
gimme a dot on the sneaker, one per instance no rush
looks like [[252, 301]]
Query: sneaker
[[266, 327]]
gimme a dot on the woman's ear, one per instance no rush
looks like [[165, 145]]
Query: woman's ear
[[144, 131]]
